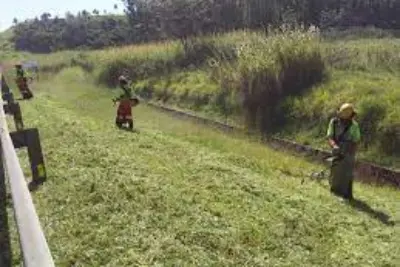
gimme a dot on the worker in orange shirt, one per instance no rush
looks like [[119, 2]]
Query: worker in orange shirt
[[124, 111], [126, 103]]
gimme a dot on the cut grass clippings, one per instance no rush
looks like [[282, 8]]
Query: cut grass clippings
[[180, 194]]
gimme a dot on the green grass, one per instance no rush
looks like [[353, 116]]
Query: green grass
[[294, 82], [180, 194], [7, 50], [5, 42], [209, 75]]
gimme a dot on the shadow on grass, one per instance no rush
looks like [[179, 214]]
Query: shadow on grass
[[362, 206], [23, 99], [5, 200], [128, 130], [33, 186], [5, 243]]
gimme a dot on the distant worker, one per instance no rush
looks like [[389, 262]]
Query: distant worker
[[124, 111], [126, 102], [22, 82], [343, 136]]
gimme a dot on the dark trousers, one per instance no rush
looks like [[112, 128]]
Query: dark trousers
[[342, 177]]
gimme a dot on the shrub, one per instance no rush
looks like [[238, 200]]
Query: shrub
[[371, 113], [389, 137], [271, 68]]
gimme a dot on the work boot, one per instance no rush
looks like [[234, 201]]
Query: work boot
[[118, 123], [130, 124], [27, 95], [349, 194]]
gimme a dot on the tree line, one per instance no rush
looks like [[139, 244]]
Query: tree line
[[151, 20], [158, 19], [82, 31]]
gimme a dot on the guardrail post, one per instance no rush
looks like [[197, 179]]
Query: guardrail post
[[36, 156], [5, 243], [30, 139], [15, 110], [34, 247], [11, 107], [5, 91], [24, 138]]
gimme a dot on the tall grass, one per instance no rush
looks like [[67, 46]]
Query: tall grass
[[268, 69], [356, 33], [364, 54], [253, 71]]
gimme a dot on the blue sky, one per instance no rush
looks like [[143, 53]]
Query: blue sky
[[23, 9]]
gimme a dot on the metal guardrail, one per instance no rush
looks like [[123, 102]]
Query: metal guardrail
[[34, 247]]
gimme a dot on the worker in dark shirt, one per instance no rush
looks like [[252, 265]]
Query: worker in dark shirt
[[22, 82]]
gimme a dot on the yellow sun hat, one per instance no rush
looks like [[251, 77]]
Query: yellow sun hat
[[346, 111]]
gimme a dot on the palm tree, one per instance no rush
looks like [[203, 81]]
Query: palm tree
[[85, 14], [45, 16]]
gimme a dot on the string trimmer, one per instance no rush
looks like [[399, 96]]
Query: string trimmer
[[322, 174]]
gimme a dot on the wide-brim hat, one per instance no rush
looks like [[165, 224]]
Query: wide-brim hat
[[122, 78], [346, 111]]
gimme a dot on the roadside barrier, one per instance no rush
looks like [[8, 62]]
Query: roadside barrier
[[34, 247]]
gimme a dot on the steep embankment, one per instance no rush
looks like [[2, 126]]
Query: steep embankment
[[288, 84], [178, 193]]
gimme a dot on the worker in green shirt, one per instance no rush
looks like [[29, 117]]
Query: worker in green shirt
[[343, 136]]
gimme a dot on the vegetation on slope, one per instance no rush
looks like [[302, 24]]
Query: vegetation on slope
[[7, 49], [6, 46], [288, 83], [180, 194], [5, 40]]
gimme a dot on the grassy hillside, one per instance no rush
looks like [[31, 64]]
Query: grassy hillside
[[179, 194], [287, 84]]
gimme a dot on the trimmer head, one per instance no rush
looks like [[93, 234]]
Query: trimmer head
[[318, 175]]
